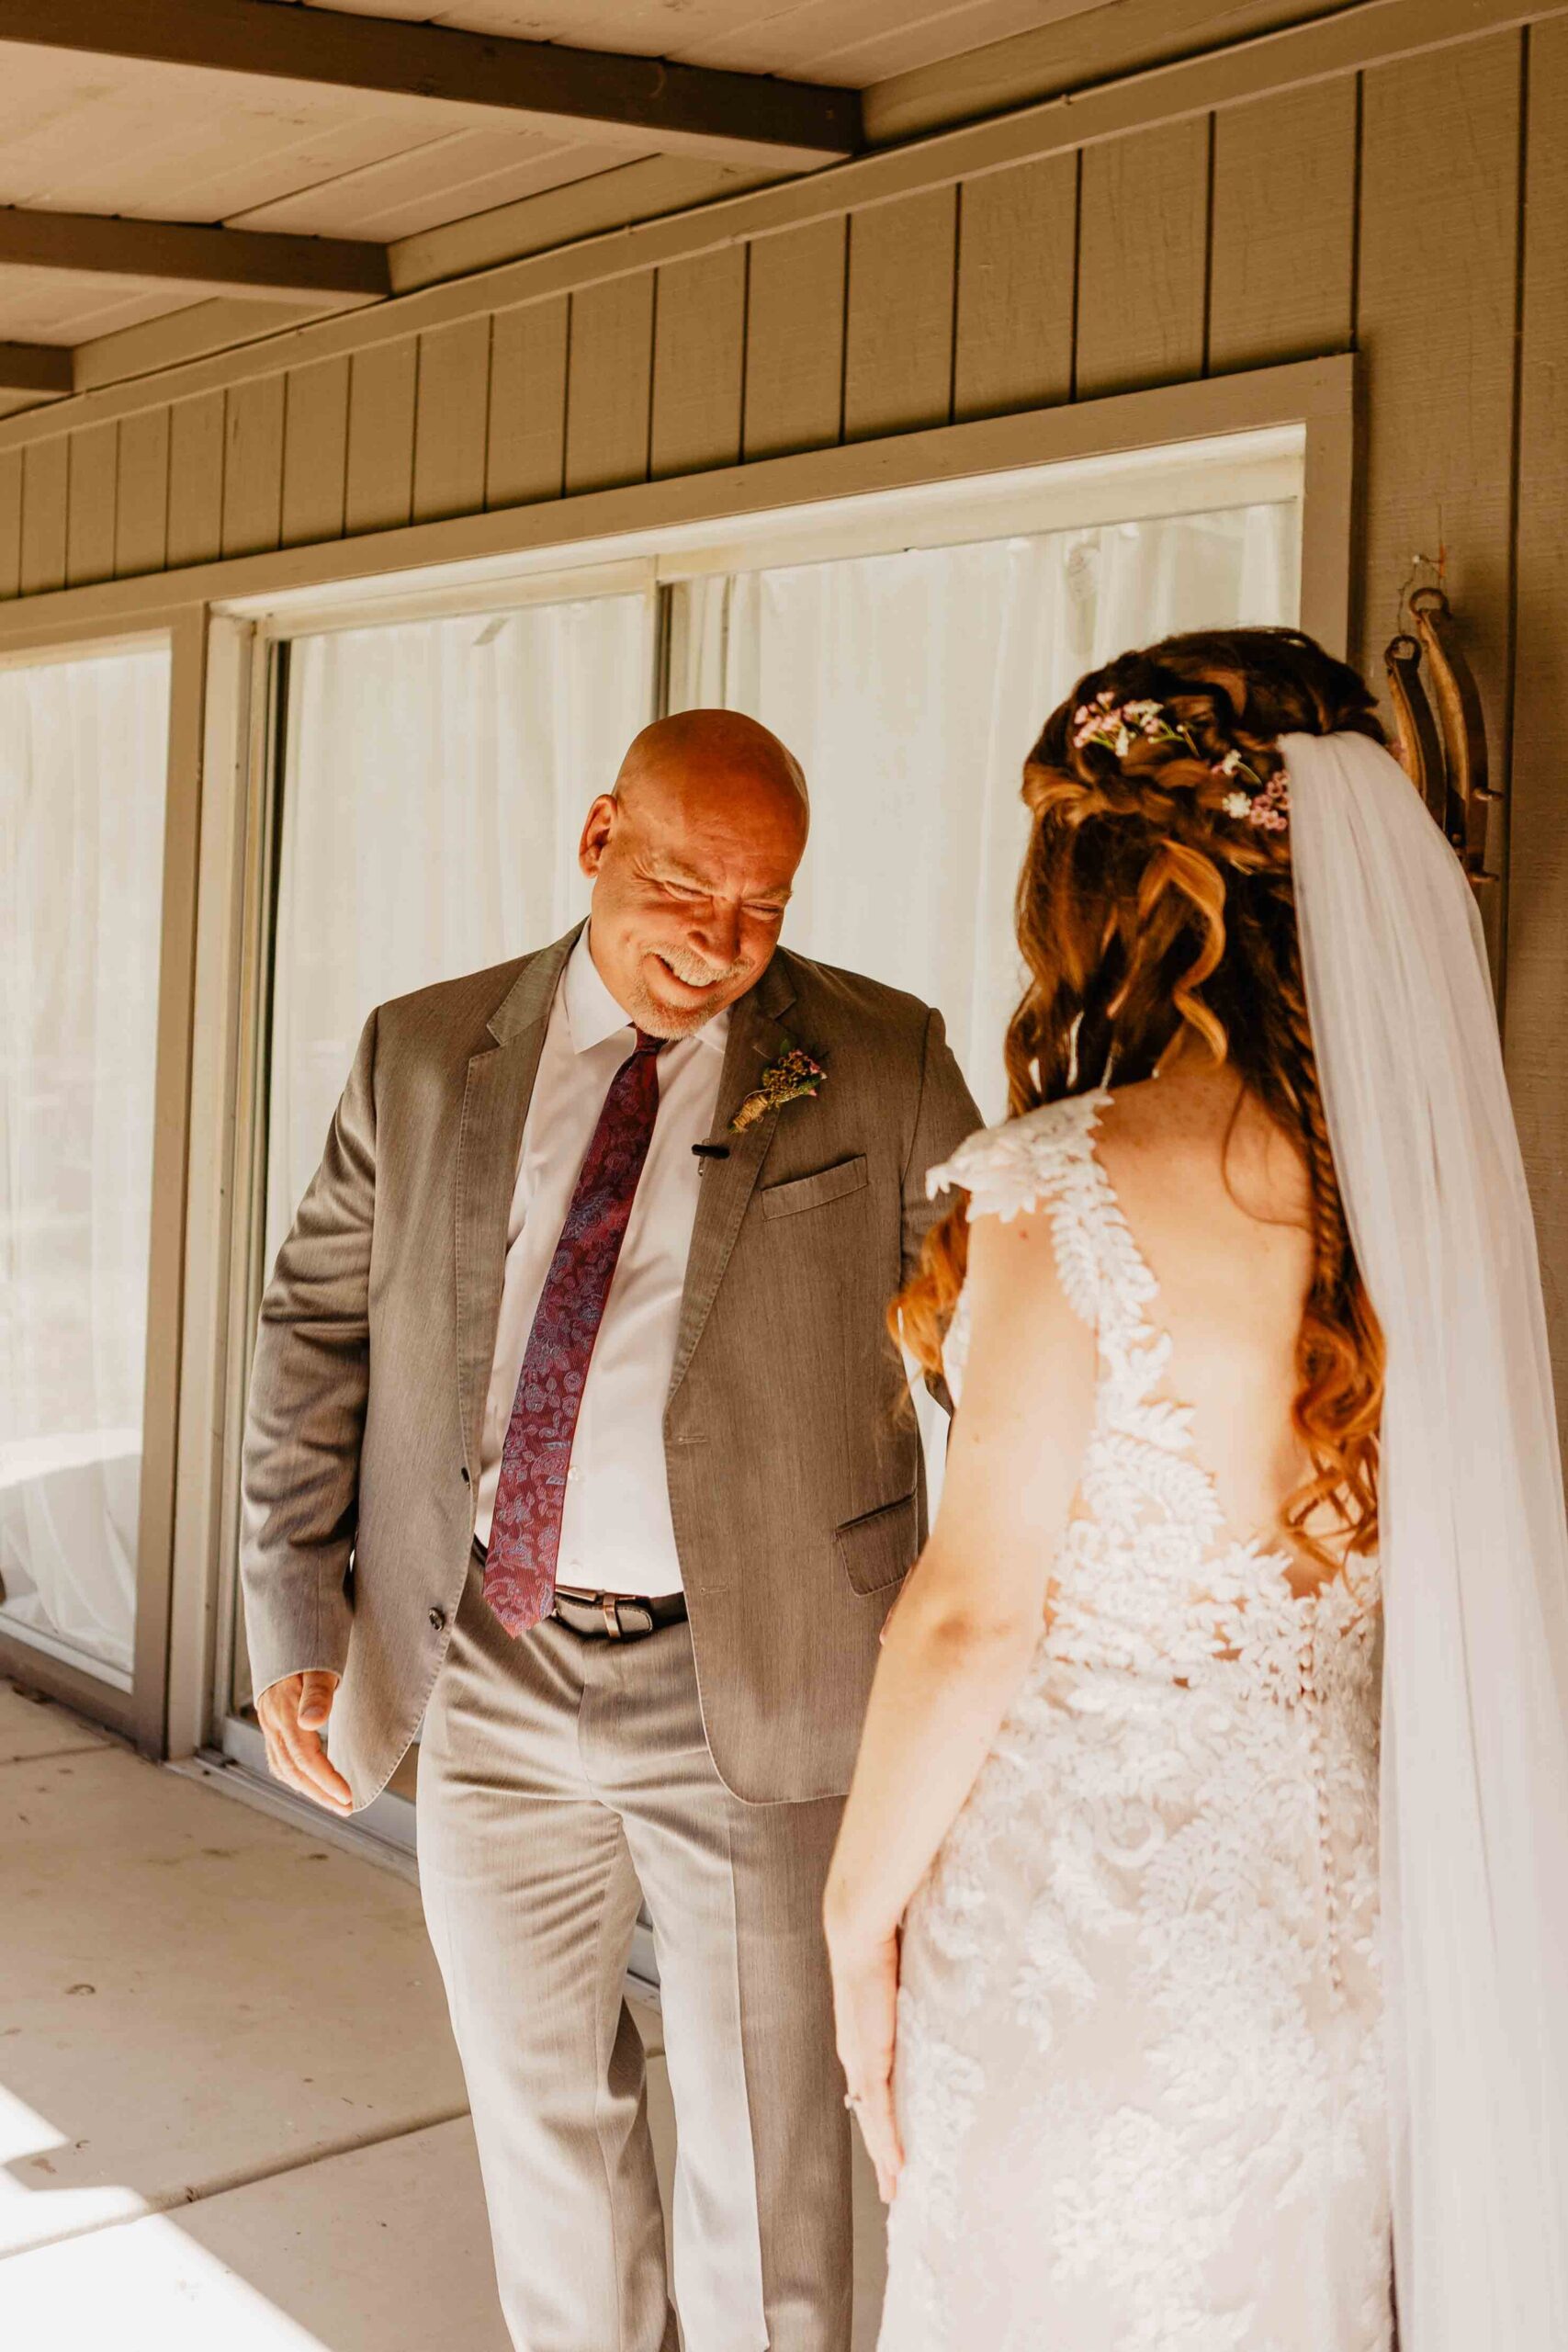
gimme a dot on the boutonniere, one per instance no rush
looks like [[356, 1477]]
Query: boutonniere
[[797, 1072]]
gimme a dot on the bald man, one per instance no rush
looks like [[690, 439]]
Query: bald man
[[576, 1432]]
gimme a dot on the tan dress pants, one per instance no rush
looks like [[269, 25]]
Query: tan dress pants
[[558, 1777]]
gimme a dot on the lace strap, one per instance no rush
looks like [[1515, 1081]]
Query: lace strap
[[1046, 1160]]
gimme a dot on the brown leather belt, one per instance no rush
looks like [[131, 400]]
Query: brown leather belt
[[611, 1616], [617, 1616]]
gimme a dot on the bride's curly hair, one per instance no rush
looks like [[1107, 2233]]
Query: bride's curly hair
[[1144, 905]]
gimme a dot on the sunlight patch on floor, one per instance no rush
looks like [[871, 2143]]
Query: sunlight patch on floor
[[146, 2288], [30, 2155]]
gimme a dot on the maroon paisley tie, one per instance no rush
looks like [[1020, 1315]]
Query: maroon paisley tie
[[524, 1537]]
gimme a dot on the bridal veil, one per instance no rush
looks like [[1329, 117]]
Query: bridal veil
[[1474, 1557]]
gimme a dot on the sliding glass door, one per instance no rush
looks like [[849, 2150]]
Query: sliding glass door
[[431, 789], [83, 765]]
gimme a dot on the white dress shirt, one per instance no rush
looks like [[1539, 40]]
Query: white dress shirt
[[616, 1532]]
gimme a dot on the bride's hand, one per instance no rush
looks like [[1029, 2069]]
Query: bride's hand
[[865, 1999]]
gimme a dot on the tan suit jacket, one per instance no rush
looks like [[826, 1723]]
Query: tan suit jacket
[[791, 1447]]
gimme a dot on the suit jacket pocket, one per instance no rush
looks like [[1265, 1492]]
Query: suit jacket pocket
[[811, 1192], [875, 1551]]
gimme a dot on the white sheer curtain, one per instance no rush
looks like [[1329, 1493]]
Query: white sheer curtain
[[436, 775], [83, 759], [911, 685]]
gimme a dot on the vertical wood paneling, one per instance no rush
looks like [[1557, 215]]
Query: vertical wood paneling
[[10, 522], [1142, 259], [44, 495], [794, 340], [1439, 162], [315, 452], [196, 479], [451, 419], [1283, 250], [141, 493], [526, 452], [698, 361], [1537, 1032], [252, 466], [609, 372], [90, 500], [1016, 253], [378, 488], [899, 314]]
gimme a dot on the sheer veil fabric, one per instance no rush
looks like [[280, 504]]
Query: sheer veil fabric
[[1474, 1557]]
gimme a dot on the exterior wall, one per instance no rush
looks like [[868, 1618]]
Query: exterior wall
[[1412, 208]]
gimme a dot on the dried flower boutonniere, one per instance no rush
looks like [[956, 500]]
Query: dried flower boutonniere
[[796, 1073]]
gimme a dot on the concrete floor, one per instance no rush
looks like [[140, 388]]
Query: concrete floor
[[230, 2112]]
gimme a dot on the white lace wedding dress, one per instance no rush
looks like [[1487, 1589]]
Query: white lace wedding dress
[[1139, 2066]]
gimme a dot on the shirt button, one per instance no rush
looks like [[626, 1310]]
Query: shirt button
[[438, 1618]]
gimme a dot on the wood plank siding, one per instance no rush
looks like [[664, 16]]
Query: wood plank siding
[[1415, 211]]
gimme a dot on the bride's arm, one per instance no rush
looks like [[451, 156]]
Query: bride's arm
[[966, 1627]]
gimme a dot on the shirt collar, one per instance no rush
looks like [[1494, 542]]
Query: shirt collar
[[593, 1014]]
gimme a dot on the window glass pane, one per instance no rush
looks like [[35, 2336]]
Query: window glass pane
[[436, 779], [436, 774], [82, 755]]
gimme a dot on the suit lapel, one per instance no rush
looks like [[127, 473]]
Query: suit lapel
[[756, 1038], [496, 1095]]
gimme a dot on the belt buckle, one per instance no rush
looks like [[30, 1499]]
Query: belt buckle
[[609, 1606]]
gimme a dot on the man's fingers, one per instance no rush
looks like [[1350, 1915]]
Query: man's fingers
[[283, 1766], [284, 1769], [320, 1780], [298, 1759], [289, 1712], [316, 1699]]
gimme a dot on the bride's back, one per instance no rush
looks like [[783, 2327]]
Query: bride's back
[[1217, 1201], [1157, 927]]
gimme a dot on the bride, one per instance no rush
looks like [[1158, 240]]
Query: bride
[[1250, 1561]]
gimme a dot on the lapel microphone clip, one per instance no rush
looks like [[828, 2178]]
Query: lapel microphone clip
[[710, 1150]]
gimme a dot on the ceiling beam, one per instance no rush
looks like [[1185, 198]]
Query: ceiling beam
[[42, 368], [686, 108], [230, 261]]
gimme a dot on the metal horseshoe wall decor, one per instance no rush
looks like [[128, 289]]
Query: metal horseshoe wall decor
[[1441, 736]]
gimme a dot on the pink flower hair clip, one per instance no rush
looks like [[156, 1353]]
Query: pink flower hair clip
[[1267, 806], [1118, 725]]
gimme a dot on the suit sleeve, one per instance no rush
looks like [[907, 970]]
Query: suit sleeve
[[309, 1384], [945, 1115]]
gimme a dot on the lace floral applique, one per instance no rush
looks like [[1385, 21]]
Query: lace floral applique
[[1140, 2062]]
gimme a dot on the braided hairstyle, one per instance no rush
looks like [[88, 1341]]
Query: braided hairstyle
[[1145, 905]]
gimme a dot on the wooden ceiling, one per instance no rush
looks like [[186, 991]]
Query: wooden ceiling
[[181, 174]]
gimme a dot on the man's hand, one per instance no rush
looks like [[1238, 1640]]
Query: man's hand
[[293, 1716]]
